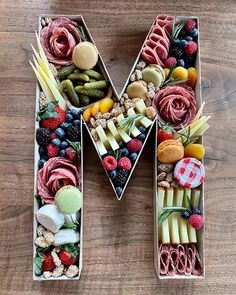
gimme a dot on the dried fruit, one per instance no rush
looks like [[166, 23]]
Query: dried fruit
[[192, 76]]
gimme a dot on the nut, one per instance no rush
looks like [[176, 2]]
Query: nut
[[41, 242], [148, 102], [94, 134], [40, 230], [101, 122], [151, 113], [43, 23], [93, 122], [161, 176], [98, 116], [49, 236], [129, 104], [116, 112], [55, 258], [58, 271], [42, 100], [106, 116], [151, 94], [170, 177], [141, 65], [174, 184], [48, 20], [136, 99], [133, 77], [165, 168], [47, 274], [72, 271], [163, 184], [138, 75], [125, 95], [151, 86], [122, 100], [54, 70]]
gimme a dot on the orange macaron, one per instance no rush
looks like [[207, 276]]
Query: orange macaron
[[170, 151]]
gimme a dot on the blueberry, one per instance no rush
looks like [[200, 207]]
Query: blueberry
[[197, 211], [119, 190], [56, 142], [81, 112], [124, 152], [75, 113], [133, 157], [142, 129], [65, 125], [185, 214], [180, 63], [41, 163], [188, 38], [112, 174], [193, 32], [110, 153], [182, 33], [64, 145], [69, 117], [62, 153], [183, 43], [60, 132], [142, 137], [69, 112], [76, 122], [121, 144], [41, 150], [176, 42]]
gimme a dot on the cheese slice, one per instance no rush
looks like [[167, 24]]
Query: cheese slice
[[174, 233], [111, 126], [164, 233], [101, 148], [134, 132], [146, 122], [113, 143], [66, 236], [102, 135], [140, 107], [183, 223]]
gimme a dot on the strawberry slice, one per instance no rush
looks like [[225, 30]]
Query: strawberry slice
[[69, 254]]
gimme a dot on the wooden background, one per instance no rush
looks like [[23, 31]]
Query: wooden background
[[118, 236]]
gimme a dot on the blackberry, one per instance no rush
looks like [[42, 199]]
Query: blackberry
[[189, 60], [176, 52], [73, 133], [43, 136], [121, 177]]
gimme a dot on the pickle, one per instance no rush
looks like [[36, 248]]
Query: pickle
[[84, 99], [71, 92], [93, 74], [92, 80], [96, 93], [97, 85], [76, 70], [65, 71], [78, 83], [78, 76]]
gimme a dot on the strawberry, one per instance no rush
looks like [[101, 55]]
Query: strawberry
[[165, 132], [189, 25], [69, 254], [48, 263], [73, 151], [51, 115], [52, 150]]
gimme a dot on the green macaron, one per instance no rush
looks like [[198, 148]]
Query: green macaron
[[153, 74], [69, 199]]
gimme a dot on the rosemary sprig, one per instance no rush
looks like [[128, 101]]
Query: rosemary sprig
[[187, 134], [170, 80], [75, 146], [82, 33], [168, 211], [117, 154], [176, 28], [129, 122], [74, 225]]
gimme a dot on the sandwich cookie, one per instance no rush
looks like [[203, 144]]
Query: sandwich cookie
[[170, 151]]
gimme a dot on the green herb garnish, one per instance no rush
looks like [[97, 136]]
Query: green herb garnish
[[129, 122], [176, 28], [82, 33]]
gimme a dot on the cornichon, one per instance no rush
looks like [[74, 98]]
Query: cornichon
[[96, 93], [92, 80], [97, 85], [67, 84], [93, 74], [78, 76], [84, 99], [65, 71], [79, 83]]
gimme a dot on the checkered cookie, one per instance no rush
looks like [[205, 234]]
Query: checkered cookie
[[189, 172]]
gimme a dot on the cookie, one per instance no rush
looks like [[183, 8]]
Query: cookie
[[170, 151]]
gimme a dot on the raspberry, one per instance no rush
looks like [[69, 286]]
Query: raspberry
[[52, 150], [191, 48], [71, 154], [170, 62], [189, 25], [196, 221], [134, 145], [124, 163], [109, 163], [53, 135]]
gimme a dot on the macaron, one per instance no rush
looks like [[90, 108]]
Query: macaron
[[154, 74], [170, 151], [85, 55], [69, 199], [189, 172], [137, 89]]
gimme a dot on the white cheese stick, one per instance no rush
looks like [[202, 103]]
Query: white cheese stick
[[195, 196], [183, 223], [66, 236], [134, 132], [111, 126], [101, 148], [175, 238], [141, 107], [50, 218], [164, 233]]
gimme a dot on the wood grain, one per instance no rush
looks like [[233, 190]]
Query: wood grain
[[118, 236]]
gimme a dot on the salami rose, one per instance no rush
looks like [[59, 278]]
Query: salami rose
[[59, 39], [175, 105], [56, 173]]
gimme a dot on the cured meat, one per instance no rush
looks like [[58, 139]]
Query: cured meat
[[180, 260], [56, 173], [59, 39], [176, 105]]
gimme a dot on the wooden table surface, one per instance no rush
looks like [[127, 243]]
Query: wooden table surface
[[118, 236]]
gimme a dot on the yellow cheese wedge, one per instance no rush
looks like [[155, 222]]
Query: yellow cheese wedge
[[113, 143], [102, 135], [111, 126], [174, 233], [140, 107], [101, 148]]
